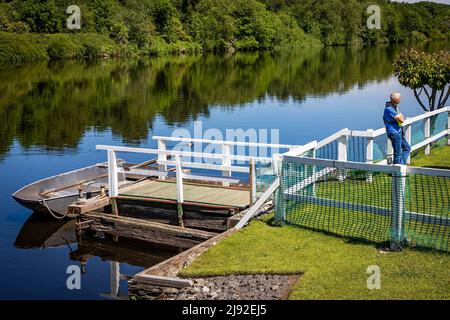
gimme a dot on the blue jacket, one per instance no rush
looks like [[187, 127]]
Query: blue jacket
[[392, 126]]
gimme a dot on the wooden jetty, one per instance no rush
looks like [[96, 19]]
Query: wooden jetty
[[174, 206]]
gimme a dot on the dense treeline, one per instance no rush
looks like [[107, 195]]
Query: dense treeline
[[162, 26]]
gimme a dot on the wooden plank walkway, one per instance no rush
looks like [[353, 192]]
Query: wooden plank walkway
[[193, 193]]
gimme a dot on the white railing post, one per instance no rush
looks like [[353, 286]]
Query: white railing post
[[226, 161], [407, 129], [179, 173], [389, 151], [398, 206], [427, 132], [252, 178], [162, 157], [342, 152], [113, 180], [180, 193], [369, 152], [448, 126], [314, 174], [280, 208]]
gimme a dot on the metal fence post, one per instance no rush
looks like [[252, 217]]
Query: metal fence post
[[398, 206]]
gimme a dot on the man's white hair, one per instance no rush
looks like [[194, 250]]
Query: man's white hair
[[395, 95]]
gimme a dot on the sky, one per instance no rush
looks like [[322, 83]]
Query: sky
[[412, 1]]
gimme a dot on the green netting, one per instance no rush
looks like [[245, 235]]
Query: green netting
[[428, 211], [375, 206]]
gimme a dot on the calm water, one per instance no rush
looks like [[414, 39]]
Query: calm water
[[53, 115]]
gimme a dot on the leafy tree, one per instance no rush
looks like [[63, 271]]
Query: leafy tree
[[427, 74]]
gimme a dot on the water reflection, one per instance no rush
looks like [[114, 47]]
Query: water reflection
[[42, 232], [39, 231], [50, 106]]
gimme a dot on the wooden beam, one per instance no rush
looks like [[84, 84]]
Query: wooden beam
[[88, 205], [163, 281], [147, 230]]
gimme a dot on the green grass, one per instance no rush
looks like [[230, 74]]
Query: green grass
[[332, 267], [438, 158]]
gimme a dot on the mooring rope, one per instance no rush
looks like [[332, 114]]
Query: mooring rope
[[51, 212]]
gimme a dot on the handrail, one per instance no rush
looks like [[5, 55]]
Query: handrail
[[370, 135], [179, 153], [225, 142]]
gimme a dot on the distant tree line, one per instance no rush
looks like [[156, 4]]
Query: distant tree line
[[161, 26]]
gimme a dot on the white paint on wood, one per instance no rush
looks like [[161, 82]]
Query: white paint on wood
[[398, 203], [254, 209], [427, 132], [407, 130], [226, 160], [113, 181], [179, 172], [369, 152]]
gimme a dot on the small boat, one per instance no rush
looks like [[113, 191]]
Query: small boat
[[54, 194]]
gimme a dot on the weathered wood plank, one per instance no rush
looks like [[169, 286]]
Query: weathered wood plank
[[194, 193], [89, 205], [146, 230], [163, 281]]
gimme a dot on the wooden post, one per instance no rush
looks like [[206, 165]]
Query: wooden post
[[314, 169], [180, 194], [252, 179], [112, 174], [448, 126], [162, 156], [398, 206], [280, 208], [114, 208], [342, 153], [407, 129], [427, 132], [226, 161], [389, 152], [369, 153]]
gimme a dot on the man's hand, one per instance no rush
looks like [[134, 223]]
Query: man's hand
[[400, 118]]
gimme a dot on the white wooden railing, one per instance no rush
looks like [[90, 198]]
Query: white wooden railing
[[341, 137], [226, 156], [176, 159]]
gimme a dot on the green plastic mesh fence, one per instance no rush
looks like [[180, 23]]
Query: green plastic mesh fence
[[428, 211], [372, 205]]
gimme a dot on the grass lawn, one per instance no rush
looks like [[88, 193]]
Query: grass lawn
[[335, 267], [332, 267], [438, 158]]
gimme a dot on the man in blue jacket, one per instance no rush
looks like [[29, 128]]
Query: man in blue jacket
[[393, 120]]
